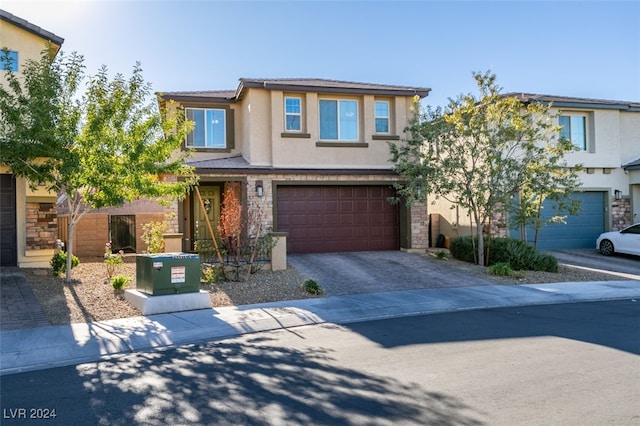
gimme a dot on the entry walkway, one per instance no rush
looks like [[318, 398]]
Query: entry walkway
[[19, 307]]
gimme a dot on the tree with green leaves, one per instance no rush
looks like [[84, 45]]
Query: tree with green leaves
[[103, 147], [480, 151]]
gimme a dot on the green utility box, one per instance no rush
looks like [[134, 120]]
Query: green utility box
[[167, 273]]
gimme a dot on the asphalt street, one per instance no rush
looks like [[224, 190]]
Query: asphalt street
[[573, 363]]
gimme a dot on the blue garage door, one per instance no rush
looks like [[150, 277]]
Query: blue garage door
[[579, 231]]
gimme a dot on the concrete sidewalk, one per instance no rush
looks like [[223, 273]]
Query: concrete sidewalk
[[54, 346]]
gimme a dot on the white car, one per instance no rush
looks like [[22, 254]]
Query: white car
[[625, 241]]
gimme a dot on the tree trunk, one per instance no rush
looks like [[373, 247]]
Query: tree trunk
[[479, 233], [488, 244], [535, 238], [523, 222], [70, 228]]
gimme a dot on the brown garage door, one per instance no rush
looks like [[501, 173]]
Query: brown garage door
[[324, 219]]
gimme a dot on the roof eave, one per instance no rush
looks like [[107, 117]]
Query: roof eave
[[192, 98], [268, 85], [287, 171], [31, 28]]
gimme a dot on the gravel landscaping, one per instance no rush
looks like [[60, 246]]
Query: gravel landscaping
[[90, 297]]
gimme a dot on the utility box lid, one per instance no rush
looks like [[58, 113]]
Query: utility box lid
[[170, 256]]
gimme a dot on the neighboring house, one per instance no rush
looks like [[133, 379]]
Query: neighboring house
[[607, 137], [28, 226], [312, 153]]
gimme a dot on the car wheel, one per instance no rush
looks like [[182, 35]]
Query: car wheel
[[606, 247]]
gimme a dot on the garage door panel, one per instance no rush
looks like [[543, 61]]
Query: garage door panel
[[362, 205], [298, 219], [579, 231], [345, 192], [345, 206], [362, 192], [338, 218]]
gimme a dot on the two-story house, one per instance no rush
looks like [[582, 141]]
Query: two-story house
[[606, 135], [312, 153], [28, 224]]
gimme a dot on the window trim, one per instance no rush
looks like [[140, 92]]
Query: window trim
[[338, 120], [376, 117], [585, 136], [207, 147], [298, 114]]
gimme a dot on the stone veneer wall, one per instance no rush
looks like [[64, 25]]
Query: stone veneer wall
[[42, 225], [620, 213], [419, 226]]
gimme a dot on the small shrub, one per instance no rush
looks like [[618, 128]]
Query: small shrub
[[120, 281], [213, 274], [112, 260], [441, 255], [59, 262], [501, 269], [312, 287], [518, 254], [461, 249], [153, 236], [546, 262]]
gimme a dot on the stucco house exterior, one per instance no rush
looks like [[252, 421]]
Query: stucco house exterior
[[606, 134], [28, 224], [312, 153]]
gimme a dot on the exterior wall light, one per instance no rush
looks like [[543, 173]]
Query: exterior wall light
[[617, 194], [259, 188]]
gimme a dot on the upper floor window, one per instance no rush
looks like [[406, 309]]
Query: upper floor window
[[210, 128], [574, 128], [338, 120], [382, 116], [292, 114], [9, 60]]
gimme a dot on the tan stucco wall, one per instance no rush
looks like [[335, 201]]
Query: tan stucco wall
[[28, 45]]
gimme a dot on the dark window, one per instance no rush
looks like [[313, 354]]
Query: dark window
[[123, 233]]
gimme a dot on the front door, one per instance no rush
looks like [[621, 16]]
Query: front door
[[8, 226], [211, 199]]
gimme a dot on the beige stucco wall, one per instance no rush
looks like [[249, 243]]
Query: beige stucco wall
[[259, 125], [630, 136], [604, 137]]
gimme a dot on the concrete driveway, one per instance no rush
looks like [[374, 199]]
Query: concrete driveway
[[592, 259], [379, 271]]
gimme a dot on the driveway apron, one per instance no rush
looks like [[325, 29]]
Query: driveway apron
[[379, 271]]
